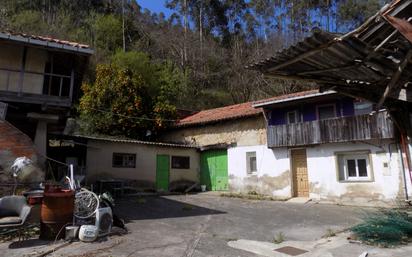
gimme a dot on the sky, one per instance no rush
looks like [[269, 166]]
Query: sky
[[155, 6]]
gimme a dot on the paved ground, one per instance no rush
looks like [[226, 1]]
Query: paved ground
[[202, 225]]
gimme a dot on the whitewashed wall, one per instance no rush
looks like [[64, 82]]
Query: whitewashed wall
[[273, 175], [273, 171], [386, 185]]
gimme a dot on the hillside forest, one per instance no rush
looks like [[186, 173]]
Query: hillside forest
[[192, 59]]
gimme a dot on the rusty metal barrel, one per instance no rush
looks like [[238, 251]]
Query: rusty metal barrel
[[56, 213]]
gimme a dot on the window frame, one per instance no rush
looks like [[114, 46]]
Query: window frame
[[179, 156], [124, 163], [249, 155], [297, 117], [341, 163], [326, 105]]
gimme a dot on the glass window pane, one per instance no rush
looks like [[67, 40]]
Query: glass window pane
[[363, 172], [180, 162], [351, 164], [252, 163], [326, 112], [292, 117]]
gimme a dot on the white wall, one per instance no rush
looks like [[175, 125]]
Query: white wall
[[273, 175], [386, 185], [100, 153], [273, 171]]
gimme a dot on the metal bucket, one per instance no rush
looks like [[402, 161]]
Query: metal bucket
[[56, 214]]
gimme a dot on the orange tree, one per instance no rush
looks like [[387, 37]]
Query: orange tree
[[119, 103]]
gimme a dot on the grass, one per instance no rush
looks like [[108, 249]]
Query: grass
[[387, 228], [279, 238]]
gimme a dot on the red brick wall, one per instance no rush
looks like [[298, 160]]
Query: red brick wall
[[16, 142]]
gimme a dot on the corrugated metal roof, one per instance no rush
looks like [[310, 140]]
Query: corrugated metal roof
[[292, 97], [46, 42], [132, 141], [361, 61]]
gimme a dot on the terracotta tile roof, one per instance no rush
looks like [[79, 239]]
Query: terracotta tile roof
[[48, 41], [238, 110], [220, 114]]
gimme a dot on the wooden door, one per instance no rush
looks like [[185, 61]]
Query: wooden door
[[162, 172], [300, 173]]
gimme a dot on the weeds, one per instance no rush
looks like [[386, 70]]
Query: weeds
[[252, 195], [279, 238], [141, 200], [329, 233], [188, 207]]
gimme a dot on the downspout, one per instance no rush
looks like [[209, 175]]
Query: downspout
[[405, 157], [405, 187]]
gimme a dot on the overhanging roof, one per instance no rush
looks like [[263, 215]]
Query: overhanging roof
[[132, 141], [48, 42], [362, 63], [298, 96]]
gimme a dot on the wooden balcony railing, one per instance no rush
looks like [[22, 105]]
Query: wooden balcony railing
[[36, 87], [344, 129]]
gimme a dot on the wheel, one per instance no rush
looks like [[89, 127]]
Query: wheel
[[86, 204]]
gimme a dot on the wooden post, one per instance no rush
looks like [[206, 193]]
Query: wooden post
[[71, 84], [22, 70]]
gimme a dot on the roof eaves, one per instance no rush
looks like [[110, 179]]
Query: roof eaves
[[200, 123], [46, 43], [132, 141], [277, 101]]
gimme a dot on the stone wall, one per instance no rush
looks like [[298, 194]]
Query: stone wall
[[244, 132]]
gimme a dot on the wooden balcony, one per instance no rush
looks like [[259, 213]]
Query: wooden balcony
[[36, 87], [345, 129]]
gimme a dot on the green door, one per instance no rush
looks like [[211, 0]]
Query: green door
[[213, 172], [162, 172]]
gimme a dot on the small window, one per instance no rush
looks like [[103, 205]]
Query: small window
[[354, 166], [326, 112], [293, 117], [124, 160], [180, 162], [251, 162]]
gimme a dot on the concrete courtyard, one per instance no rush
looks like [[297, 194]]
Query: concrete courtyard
[[203, 224]]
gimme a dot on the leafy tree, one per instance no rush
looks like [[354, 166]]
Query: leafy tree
[[117, 103], [131, 96]]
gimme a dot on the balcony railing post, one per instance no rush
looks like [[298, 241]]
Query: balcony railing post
[[71, 84], [22, 69]]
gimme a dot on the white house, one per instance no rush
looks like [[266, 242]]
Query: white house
[[323, 146]]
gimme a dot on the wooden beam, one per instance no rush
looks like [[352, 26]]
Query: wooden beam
[[325, 70], [22, 69], [71, 84], [392, 83]]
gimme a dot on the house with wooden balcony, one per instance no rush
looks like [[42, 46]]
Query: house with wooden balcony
[[338, 149], [321, 146], [40, 80]]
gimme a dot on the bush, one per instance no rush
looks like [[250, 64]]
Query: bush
[[386, 228]]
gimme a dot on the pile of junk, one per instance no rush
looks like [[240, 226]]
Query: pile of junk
[[61, 210]]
